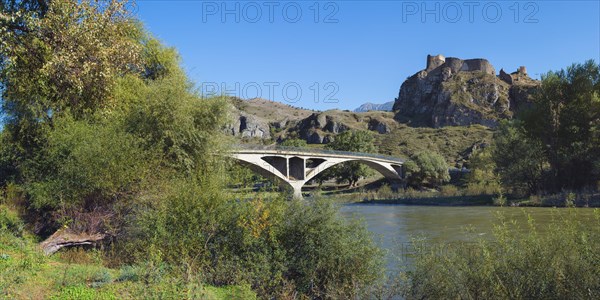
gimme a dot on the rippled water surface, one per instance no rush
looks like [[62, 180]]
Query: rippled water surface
[[395, 225]]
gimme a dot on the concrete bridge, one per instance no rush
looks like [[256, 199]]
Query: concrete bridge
[[296, 166]]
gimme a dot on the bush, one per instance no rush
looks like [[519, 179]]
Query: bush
[[128, 273], [328, 257], [385, 192], [272, 244], [10, 222], [449, 191], [514, 264], [427, 169]]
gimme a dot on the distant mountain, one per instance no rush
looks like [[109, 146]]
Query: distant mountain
[[372, 106]]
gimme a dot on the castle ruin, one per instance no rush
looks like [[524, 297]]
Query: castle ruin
[[457, 65]]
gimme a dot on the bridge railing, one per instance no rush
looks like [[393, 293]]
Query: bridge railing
[[316, 151]]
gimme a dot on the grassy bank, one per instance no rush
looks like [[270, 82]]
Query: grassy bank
[[25, 273], [441, 201], [449, 195]]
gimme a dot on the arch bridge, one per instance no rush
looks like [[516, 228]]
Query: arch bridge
[[294, 167]]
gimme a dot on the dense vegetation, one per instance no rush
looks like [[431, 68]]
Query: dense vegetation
[[520, 261], [350, 172], [553, 146], [105, 134]]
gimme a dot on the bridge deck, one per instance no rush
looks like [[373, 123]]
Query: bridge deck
[[304, 151]]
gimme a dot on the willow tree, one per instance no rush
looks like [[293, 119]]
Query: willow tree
[[96, 109]]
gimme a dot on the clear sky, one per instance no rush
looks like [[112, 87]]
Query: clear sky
[[362, 51]]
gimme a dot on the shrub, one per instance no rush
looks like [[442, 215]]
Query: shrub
[[427, 169], [128, 273], [449, 191], [514, 264], [272, 244], [327, 256], [385, 192], [10, 222]]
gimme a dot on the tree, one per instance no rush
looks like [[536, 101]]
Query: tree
[[354, 141], [427, 169], [58, 57], [92, 102], [519, 159], [565, 119], [294, 143], [482, 177]]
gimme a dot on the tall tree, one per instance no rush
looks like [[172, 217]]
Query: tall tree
[[565, 119], [60, 56], [354, 141], [520, 160]]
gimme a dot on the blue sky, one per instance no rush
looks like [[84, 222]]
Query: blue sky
[[362, 51]]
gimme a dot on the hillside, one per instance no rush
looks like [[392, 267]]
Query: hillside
[[450, 107], [277, 122]]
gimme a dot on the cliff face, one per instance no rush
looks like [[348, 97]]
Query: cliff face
[[456, 92]]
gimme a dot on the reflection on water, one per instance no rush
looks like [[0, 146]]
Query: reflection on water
[[395, 225]]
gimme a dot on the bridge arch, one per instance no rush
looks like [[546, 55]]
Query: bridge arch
[[296, 169], [389, 171]]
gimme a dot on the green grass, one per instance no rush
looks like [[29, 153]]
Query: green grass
[[452, 143], [25, 273]]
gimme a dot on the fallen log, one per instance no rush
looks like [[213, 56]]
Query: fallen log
[[65, 238]]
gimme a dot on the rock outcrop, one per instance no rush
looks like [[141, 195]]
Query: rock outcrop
[[455, 92], [248, 126], [379, 126], [318, 128]]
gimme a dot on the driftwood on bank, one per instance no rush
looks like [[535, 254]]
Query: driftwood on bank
[[65, 238]]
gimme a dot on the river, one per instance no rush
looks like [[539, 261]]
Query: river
[[394, 225]]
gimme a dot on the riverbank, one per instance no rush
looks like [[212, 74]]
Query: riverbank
[[457, 197], [582, 200], [483, 200]]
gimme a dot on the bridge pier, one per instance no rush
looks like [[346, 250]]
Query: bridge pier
[[297, 187]]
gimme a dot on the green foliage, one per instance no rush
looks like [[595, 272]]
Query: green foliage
[[67, 58], [294, 143], [327, 257], [427, 169], [449, 191], [514, 264], [170, 118], [482, 178], [83, 293], [385, 192], [10, 222], [89, 160], [273, 245], [232, 292], [554, 145], [519, 159], [8, 158], [353, 141]]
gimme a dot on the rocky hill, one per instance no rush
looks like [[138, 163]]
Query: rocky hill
[[449, 107], [388, 106], [267, 122], [455, 92]]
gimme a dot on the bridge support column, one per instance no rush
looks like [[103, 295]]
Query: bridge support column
[[297, 187]]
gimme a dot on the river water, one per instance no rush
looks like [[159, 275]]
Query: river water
[[394, 225]]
